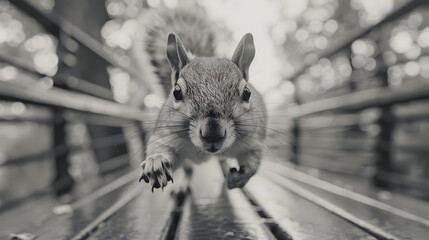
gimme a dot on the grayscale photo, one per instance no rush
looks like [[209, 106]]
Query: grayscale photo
[[214, 119]]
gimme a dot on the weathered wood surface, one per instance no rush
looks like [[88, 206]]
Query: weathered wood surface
[[298, 217], [214, 212], [47, 218], [280, 202], [380, 219]]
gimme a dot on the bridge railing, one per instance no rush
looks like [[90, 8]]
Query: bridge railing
[[369, 125], [73, 96]]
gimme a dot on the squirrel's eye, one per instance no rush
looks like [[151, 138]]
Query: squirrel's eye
[[177, 93], [246, 94]]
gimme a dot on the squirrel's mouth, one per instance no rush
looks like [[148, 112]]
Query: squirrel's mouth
[[212, 136], [212, 149]]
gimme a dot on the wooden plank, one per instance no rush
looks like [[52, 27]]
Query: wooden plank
[[213, 212], [340, 120], [407, 140], [411, 111], [301, 219], [362, 99], [366, 187], [64, 99], [407, 182], [114, 163], [334, 209], [357, 188], [338, 132], [366, 157], [70, 81], [145, 217], [340, 143], [338, 166], [148, 216], [14, 218], [334, 157], [108, 213], [65, 221], [351, 149], [17, 217], [100, 120], [386, 221]]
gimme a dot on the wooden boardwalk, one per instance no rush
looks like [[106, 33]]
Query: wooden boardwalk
[[280, 202]]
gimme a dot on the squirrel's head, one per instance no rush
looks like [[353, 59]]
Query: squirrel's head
[[212, 92]]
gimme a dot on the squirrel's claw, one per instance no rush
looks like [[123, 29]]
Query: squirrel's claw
[[168, 171], [155, 184], [237, 179], [157, 171], [144, 177]]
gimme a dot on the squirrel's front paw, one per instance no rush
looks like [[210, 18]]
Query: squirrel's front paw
[[237, 179], [157, 170]]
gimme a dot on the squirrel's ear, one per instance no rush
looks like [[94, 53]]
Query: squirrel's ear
[[244, 54], [176, 52]]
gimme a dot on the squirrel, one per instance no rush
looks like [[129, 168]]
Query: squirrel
[[210, 106]]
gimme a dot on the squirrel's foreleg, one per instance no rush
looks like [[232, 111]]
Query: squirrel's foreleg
[[157, 168], [249, 164]]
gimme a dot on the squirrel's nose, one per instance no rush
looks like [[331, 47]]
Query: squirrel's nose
[[212, 137], [213, 132]]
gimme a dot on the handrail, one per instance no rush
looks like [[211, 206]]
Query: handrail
[[400, 11], [104, 142], [89, 99], [65, 99], [360, 100], [70, 81]]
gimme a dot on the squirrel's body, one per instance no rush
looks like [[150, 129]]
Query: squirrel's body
[[210, 108]]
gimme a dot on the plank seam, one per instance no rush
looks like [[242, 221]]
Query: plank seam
[[92, 226], [367, 227], [176, 215], [274, 228], [339, 191]]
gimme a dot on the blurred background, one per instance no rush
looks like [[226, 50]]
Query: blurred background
[[346, 83]]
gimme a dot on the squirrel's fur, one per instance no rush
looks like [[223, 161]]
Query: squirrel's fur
[[194, 29], [212, 109]]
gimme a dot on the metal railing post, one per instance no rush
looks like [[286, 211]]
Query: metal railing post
[[383, 148], [63, 181], [295, 132]]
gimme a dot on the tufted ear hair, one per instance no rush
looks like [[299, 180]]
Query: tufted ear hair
[[176, 53], [244, 54]]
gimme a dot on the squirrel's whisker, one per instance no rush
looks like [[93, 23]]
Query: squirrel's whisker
[[273, 137], [138, 152], [167, 134], [168, 142], [267, 128], [183, 114], [140, 133]]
